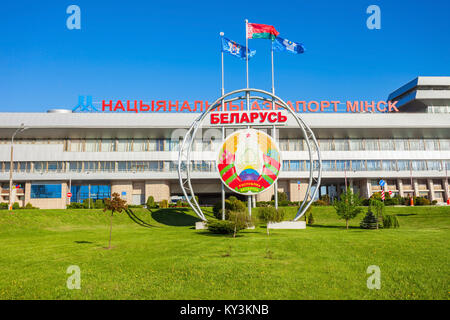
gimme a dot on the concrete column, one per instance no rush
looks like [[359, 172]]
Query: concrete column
[[415, 187], [27, 192], [123, 186], [294, 193], [400, 187], [446, 191], [430, 189], [159, 189]]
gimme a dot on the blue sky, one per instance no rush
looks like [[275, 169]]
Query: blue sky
[[170, 50]]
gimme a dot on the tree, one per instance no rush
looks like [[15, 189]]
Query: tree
[[378, 207], [151, 202], [370, 221], [116, 204], [270, 214], [282, 196], [347, 206]]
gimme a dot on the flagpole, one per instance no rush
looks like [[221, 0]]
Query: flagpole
[[223, 128], [274, 129], [247, 94], [246, 55]]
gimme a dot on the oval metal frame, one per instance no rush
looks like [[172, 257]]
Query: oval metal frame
[[184, 154]]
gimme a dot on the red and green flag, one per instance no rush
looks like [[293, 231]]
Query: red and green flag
[[261, 31]]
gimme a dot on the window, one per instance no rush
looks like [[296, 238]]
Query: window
[[341, 145], [326, 144], [403, 165], [76, 145], [342, 165], [435, 165], [124, 145], [389, 165], [371, 144], [356, 144], [431, 144], [386, 144], [92, 145], [45, 191], [108, 145], [401, 144], [373, 165], [94, 192], [419, 165], [444, 144], [140, 145], [358, 165], [416, 144]]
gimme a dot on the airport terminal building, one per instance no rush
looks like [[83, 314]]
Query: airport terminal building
[[93, 155]]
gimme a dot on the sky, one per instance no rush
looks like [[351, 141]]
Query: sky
[[170, 50]]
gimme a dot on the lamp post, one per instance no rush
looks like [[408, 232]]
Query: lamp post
[[11, 164]]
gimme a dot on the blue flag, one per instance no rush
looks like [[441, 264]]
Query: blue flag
[[235, 49], [281, 44]]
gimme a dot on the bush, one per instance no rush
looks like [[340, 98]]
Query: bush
[[3, 206], [281, 196], [135, 206], [390, 221], [421, 201], [325, 198], [270, 214], [99, 204], [164, 204], [16, 206], [151, 202], [320, 203], [231, 204], [29, 206], [221, 227], [369, 221], [310, 219], [74, 205], [434, 202], [88, 203]]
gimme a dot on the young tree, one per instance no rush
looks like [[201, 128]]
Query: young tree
[[270, 214], [377, 206], [347, 207], [115, 204]]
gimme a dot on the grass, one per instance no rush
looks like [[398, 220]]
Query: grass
[[158, 255]]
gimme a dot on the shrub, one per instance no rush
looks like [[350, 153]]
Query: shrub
[[88, 203], [390, 221], [310, 219], [16, 206], [284, 203], [3, 206], [320, 203], [421, 201], [234, 204], [29, 206], [135, 206], [151, 202], [369, 221], [164, 204], [270, 214], [75, 205], [99, 204], [221, 227], [281, 196], [325, 198], [434, 202]]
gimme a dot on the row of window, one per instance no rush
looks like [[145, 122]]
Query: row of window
[[209, 166], [369, 165], [210, 144]]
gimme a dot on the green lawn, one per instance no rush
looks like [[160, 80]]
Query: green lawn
[[160, 256]]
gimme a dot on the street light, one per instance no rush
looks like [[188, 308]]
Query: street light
[[22, 128]]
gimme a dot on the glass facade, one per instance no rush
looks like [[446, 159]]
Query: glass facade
[[94, 192], [45, 191]]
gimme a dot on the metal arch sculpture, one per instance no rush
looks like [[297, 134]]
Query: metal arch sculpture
[[184, 155]]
